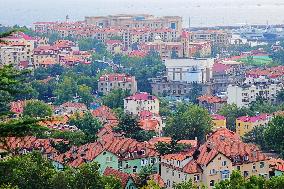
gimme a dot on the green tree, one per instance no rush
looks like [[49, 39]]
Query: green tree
[[170, 148], [85, 94], [76, 138], [129, 126], [36, 108], [66, 90], [256, 136], [232, 112], [188, 122], [194, 93], [274, 133], [151, 184], [88, 124], [187, 185], [114, 99]]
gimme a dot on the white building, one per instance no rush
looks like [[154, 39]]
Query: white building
[[189, 70], [141, 102], [243, 95]]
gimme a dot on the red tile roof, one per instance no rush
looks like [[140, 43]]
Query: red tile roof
[[149, 125], [74, 105], [192, 167], [226, 142], [211, 99], [105, 115], [123, 177], [137, 53], [17, 107], [156, 140], [261, 117], [180, 156], [273, 72], [158, 179], [218, 117]]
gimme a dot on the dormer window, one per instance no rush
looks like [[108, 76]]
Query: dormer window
[[246, 158], [143, 152]]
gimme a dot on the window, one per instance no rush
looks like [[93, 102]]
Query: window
[[212, 182], [212, 171], [134, 169], [224, 163], [196, 178], [173, 173], [253, 167], [178, 163], [238, 167], [246, 173], [261, 164]]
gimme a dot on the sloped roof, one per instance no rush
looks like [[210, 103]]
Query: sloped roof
[[123, 177]]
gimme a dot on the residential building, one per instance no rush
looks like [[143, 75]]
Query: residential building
[[136, 21], [43, 53], [151, 122], [105, 115], [214, 161], [181, 89], [69, 108], [246, 124], [219, 121], [140, 102], [109, 82], [216, 37], [212, 103], [114, 46], [123, 154], [253, 88], [166, 50], [191, 70]]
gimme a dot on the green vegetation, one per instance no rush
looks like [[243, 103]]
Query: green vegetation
[[129, 126], [237, 181], [87, 124], [257, 60], [114, 99], [188, 122], [33, 171], [170, 148], [37, 108]]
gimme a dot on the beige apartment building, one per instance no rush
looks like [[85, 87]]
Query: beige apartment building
[[136, 21], [12, 55], [109, 82], [217, 37], [141, 102], [216, 159]]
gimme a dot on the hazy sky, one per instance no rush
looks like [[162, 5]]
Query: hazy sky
[[202, 12]]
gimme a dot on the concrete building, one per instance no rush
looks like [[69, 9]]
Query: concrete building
[[136, 21], [251, 89], [246, 124], [140, 102], [219, 121], [211, 103], [109, 82], [191, 70], [216, 37]]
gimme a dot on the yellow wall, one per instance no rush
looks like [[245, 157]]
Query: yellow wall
[[219, 123]]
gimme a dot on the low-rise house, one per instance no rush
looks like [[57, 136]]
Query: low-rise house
[[211, 103], [214, 161], [109, 82], [277, 166], [246, 124], [105, 115], [69, 108], [219, 121], [140, 102], [151, 122], [114, 46], [126, 179], [124, 154], [59, 123]]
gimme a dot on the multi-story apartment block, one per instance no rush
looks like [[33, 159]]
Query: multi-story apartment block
[[243, 95], [214, 161], [246, 124], [191, 70], [19, 48], [109, 82], [216, 37], [166, 50], [212, 103], [43, 53], [136, 21], [140, 102]]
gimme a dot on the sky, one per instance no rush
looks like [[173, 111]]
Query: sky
[[202, 12]]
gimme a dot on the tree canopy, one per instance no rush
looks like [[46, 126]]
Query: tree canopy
[[36, 108]]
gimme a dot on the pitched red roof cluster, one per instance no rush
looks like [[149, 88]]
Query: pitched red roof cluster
[[32, 143], [59, 123], [156, 140], [76, 105], [180, 156], [211, 99], [149, 125], [220, 68], [105, 115], [277, 164], [192, 167], [123, 177], [141, 96], [64, 44], [273, 72], [226, 142], [117, 77], [253, 119], [21, 35], [124, 148]]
